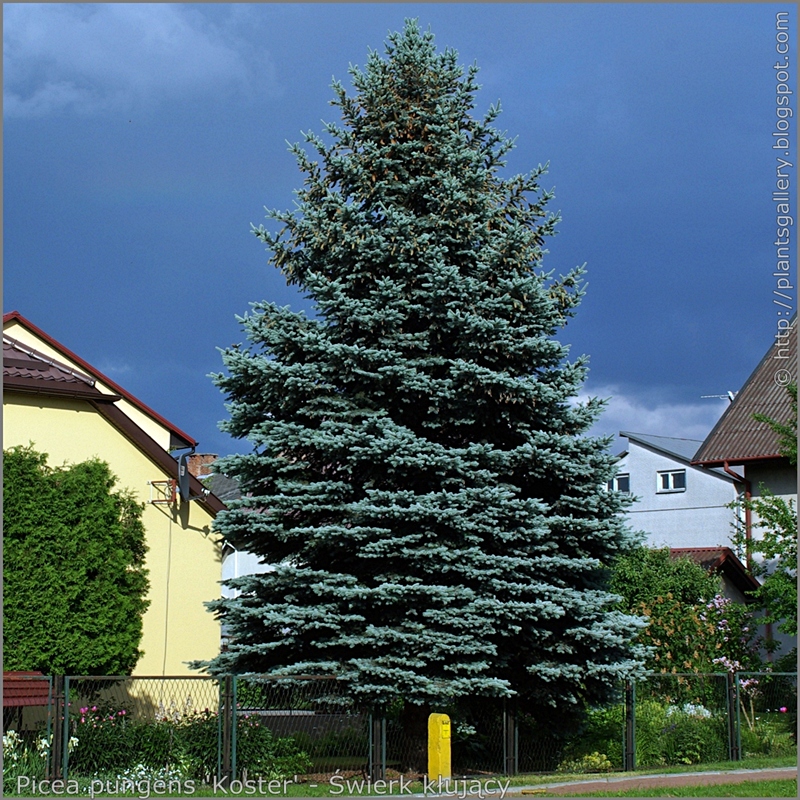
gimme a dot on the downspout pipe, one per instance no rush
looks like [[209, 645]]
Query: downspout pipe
[[748, 516]]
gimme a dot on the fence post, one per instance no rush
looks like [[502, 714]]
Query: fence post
[[738, 720], [510, 766], [57, 709], [234, 726], [48, 765], [377, 746], [65, 731], [219, 730], [227, 713], [630, 726], [732, 683]]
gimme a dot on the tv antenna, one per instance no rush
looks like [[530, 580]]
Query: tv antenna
[[727, 396]]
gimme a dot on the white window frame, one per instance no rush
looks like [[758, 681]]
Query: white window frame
[[671, 489], [613, 484]]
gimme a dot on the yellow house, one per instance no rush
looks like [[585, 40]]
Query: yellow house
[[66, 408]]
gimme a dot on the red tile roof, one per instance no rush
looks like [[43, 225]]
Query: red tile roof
[[22, 362], [29, 371], [25, 689], [180, 438], [719, 560], [737, 438]]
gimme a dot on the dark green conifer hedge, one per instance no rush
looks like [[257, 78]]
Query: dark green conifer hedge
[[74, 582]]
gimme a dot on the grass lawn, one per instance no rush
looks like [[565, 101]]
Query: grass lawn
[[771, 788], [780, 788], [719, 766]]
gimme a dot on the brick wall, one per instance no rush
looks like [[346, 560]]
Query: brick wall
[[200, 463]]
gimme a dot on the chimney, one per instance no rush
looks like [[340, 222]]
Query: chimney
[[200, 464]]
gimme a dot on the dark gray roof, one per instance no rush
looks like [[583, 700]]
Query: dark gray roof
[[225, 488], [682, 449]]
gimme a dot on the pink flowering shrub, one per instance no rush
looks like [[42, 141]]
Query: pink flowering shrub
[[105, 736], [704, 637]]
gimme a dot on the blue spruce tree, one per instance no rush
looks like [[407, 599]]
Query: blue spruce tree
[[420, 474]]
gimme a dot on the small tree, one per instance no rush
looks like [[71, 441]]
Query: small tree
[[777, 518], [778, 546], [421, 476], [73, 568], [647, 573], [690, 626]]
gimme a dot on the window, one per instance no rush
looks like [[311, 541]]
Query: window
[[620, 483], [672, 481]]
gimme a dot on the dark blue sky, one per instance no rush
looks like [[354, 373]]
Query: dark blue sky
[[140, 142]]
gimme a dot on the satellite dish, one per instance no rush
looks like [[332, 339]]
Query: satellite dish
[[183, 476]]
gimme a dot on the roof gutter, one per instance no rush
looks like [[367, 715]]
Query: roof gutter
[[748, 516], [52, 389], [718, 462]]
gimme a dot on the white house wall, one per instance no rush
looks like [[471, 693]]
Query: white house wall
[[237, 563], [696, 517], [781, 479]]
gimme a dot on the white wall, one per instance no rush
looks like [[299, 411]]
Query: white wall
[[695, 517], [236, 563], [781, 480]]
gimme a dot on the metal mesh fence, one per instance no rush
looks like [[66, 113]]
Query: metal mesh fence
[[476, 738], [330, 733], [766, 708], [127, 726], [478, 744], [683, 719], [567, 742], [312, 728]]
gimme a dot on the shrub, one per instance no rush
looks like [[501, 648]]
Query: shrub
[[107, 740], [186, 745], [198, 734], [671, 734], [601, 733], [692, 739], [592, 762], [666, 734], [770, 735], [266, 756], [73, 568]]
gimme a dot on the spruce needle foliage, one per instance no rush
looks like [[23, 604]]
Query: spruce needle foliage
[[74, 582], [421, 477]]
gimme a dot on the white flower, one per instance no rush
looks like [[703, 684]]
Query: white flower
[[690, 709], [11, 744]]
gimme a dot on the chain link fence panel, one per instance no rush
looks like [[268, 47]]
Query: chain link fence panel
[[128, 727], [310, 729]]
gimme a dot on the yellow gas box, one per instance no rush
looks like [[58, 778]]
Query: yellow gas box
[[438, 746]]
